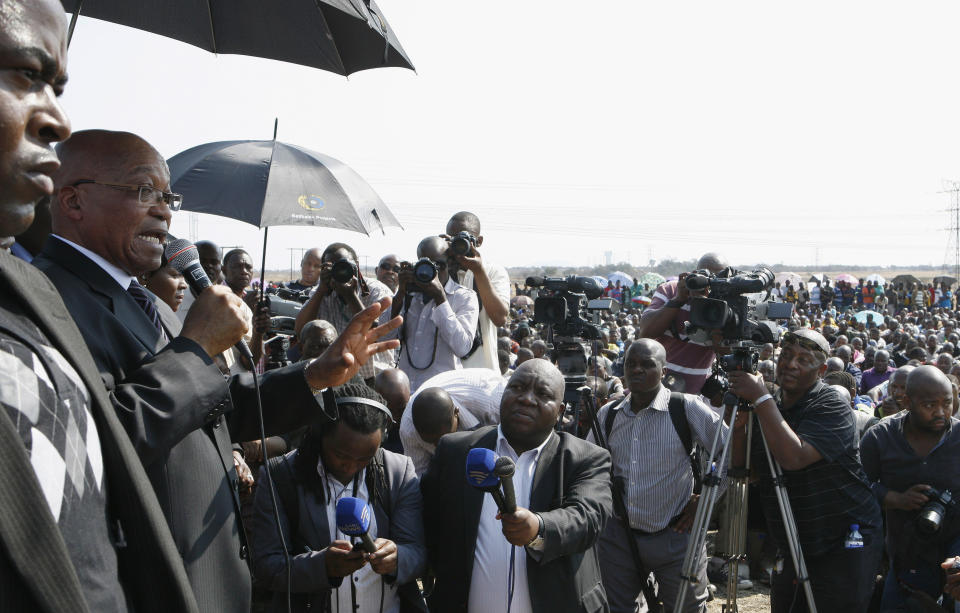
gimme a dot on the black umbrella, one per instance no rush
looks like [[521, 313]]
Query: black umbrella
[[341, 36], [944, 279], [270, 183], [905, 279]]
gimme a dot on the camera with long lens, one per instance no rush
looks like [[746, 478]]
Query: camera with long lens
[[343, 270], [462, 243], [741, 318], [931, 516]]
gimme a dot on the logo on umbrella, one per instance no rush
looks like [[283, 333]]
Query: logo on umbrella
[[311, 202]]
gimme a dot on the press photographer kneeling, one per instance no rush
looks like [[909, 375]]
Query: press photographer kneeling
[[911, 460]]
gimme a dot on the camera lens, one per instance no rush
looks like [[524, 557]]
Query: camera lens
[[460, 246], [930, 518], [343, 271], [424, 271]]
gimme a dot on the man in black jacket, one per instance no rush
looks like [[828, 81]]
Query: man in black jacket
[[545, 550], [80, 526], [111, 211]]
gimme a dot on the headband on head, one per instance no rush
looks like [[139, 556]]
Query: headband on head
[[366, 401]]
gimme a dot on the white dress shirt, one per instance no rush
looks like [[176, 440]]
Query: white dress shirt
[[368, 583], [486, 355], [450, 325], [475, 391], [491, 560], [122, 277]]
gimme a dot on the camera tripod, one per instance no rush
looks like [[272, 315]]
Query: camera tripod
[[737, 518]]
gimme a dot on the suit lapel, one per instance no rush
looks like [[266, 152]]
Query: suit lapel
[[543, 491], [314, 525], [121, 303]]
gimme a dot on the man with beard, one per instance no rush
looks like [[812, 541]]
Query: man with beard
[[811, 432], [904, 456]]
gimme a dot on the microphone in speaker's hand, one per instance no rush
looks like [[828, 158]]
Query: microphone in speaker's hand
[[182, 255], [353, 519], [504, 469], [481, 466]]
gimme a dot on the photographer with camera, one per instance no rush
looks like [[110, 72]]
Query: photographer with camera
[[341, 293], [911, 461], [811, 432], [490, 281], [665, 321], [439, 314]]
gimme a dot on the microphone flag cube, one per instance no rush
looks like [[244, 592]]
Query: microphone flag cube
[[480, 468], [353, 516]]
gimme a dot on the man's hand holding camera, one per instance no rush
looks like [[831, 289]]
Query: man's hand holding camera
[[912, 499]]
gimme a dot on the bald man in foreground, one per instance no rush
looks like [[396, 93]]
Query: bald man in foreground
[[904, 456], [111, 210], [562, 486]]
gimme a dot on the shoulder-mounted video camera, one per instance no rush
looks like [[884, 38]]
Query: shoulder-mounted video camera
[[729, 308]]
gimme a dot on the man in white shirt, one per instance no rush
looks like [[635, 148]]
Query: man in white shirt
[[491, 283], [470, 396], [540, 557], [439, 316]]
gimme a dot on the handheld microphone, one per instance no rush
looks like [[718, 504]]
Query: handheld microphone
[[353, 519], [504, 468], [182, 255], [481, 464]]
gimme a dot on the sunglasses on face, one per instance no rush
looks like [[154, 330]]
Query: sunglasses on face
[[388, 267]]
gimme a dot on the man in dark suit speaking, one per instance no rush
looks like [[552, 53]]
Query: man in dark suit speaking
[[541, 557], [111, 210]]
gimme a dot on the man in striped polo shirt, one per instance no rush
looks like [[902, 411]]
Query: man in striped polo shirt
[[665, 321]]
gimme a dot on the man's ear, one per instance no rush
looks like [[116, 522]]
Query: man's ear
[[67, 203], [479, 241]]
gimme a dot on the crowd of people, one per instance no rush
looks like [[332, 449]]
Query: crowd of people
[[165, 449]]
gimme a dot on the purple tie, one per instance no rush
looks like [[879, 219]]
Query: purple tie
[[143, 300]]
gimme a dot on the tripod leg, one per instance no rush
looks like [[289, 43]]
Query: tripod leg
[[701, 521], [790, 526], [737, 495]]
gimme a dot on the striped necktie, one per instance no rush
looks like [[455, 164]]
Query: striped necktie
[[143, 300]]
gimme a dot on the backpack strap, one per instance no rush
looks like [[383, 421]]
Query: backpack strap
[[608, 422], [678, 415]]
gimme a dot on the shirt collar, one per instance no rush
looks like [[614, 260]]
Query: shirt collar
[[451, 286], [505, 448], [122, 277], [660, 402]]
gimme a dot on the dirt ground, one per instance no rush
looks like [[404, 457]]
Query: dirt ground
[[755, 600]]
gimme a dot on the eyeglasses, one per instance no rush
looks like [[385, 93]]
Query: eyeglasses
[[387, 267], [145, 193]]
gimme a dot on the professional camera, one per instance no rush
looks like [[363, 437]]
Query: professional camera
[[931, 515], [275, 347], [739, 317], [425, 271], [462, 243], [343, 270], [293, 295], [285, 302], [562, 307]]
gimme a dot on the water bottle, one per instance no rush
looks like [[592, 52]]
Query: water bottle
[[854, 539]]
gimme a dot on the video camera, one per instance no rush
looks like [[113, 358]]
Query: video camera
[[562, 308], [278, 342], [285, 302], [729, 309]]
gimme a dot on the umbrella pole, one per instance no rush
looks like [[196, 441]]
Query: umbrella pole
[[263, 264], [73, 22]]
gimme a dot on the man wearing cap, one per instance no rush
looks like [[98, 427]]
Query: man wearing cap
[[811, 432]]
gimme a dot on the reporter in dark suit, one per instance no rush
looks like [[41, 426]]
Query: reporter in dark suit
[[88, 534], [111, 211], [563, 501]]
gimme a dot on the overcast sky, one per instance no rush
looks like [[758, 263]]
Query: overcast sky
[[796, 133]]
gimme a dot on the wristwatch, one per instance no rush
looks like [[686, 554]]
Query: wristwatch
[[537, 541]]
